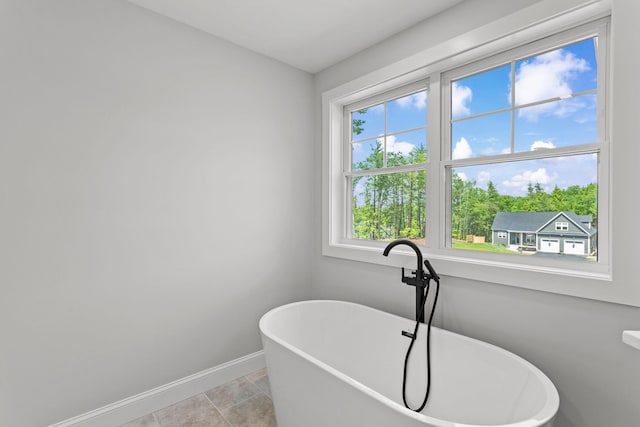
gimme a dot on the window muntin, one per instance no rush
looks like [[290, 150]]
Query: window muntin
[[473, 96], [407, 112], [510, 270], [560, 73], [527, 104], [563, 123], [485, 135], [385, 176], [374, 119], [536, 149]]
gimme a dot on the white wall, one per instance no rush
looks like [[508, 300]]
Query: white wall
[[577, 342], [124, 227], [155, 201]]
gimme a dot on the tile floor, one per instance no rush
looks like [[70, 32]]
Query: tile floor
[[243, 402]]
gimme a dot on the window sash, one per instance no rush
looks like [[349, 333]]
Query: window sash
[[348, 174], [600, 147], [381, 98], [363, 90], [597, 29]]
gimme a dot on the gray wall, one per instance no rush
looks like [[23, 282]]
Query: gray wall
[[155, 196], [133, 252], [576, 342]]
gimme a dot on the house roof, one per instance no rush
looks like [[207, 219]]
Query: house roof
[[533, 221]]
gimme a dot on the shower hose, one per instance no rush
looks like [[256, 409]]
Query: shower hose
[[413, 340]]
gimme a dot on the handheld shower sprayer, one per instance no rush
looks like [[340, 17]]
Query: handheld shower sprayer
[[421, 281]]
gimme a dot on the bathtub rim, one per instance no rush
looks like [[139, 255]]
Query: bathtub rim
[[546, 413]]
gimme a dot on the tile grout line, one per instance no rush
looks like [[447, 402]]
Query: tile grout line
[[239, 402], [153, 414], [218, 409], [262, 390]]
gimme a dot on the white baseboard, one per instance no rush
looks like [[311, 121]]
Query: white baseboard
[[149, 401]]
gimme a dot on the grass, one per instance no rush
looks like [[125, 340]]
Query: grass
[[483, 247]]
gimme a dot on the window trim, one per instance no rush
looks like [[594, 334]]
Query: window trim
[[599, 27], [474, 45], [381, 98]]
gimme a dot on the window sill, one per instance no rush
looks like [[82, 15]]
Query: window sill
[[592, 283]]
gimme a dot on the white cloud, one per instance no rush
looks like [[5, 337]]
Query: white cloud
[[417, 101], [356, 146], [462, 176], [539, 144], [483, 177], [522, 181], [401, 147], [462, 150], [460, 96], [547, 76], [569, 107]]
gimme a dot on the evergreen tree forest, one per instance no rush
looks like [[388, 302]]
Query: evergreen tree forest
[[473, 208], [387, 206], [392, 206]]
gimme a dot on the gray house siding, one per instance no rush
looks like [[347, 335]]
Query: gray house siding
[[500, 237], [572, 228], [566, 233], [550, 232]]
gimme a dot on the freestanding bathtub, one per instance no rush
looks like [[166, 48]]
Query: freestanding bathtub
[[334, 364]]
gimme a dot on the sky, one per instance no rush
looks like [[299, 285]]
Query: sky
[[479, 128]]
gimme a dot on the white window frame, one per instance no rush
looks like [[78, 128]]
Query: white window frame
[[386, 170], [431, 64], [600, 147], [562, 226]]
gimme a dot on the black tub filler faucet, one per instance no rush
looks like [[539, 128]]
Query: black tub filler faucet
[[418, 278]]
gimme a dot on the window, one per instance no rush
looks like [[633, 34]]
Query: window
[[524, 136], [512, 130], [385, 167]]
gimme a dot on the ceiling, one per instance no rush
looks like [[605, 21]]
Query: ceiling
[[309, 35]]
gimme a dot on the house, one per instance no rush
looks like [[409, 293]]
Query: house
[[550, 232]]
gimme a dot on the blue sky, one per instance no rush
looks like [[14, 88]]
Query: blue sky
[[406, 121], [562, 73]]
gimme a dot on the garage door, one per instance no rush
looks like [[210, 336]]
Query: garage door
[[574, 247], [550, 245]]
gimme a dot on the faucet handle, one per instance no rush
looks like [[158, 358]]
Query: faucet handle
[[414, 280], [432, 272], [413, 272]]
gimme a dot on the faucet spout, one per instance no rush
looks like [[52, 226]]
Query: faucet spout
[[419, 280], [408, 243]]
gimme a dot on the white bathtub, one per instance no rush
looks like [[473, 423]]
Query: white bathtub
[[335, 364]]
